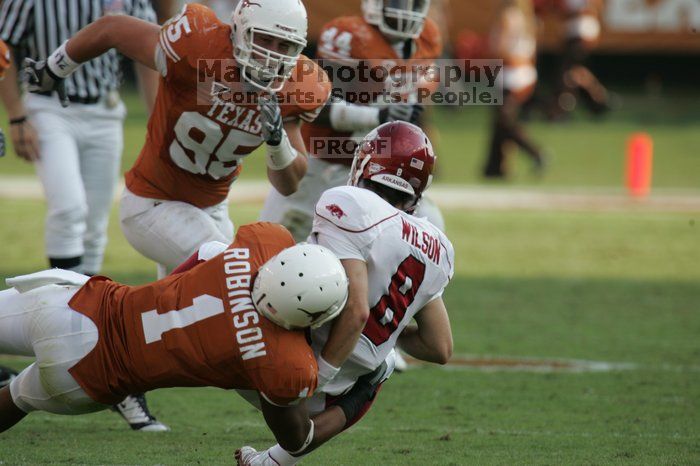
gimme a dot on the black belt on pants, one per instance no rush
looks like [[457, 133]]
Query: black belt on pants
[[74, 98]]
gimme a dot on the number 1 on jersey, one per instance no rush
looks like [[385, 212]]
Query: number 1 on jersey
[[386, 315], [155, 325]]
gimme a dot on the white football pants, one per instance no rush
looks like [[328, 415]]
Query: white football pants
[[80, 152], [39, 323], [169, 232], [296, 212]]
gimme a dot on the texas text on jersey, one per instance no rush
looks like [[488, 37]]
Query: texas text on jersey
[[409, 263], [196, 328], [351, 37], [196, 139]]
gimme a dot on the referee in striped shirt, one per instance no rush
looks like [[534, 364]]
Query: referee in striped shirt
[[76, 150]]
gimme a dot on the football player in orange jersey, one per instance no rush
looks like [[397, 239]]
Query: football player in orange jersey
[[233, 320], [513, 39], [4, 65], [217, 102], [395, 31]]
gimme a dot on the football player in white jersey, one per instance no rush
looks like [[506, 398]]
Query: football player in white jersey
[[398, 266]]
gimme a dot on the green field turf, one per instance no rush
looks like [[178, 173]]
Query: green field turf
[[611, 287], [583, 152], [621, 288]]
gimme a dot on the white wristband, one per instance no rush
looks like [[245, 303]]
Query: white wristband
[[350, 117], [281, 156], [326, 372], [60, 63]]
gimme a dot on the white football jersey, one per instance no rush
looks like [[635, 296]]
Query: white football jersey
[[409, 263]]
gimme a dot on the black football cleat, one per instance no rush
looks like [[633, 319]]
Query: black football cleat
[[6, 376], [135, 412]]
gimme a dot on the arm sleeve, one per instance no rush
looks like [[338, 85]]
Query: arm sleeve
[[344, 225], [448, 261], [179, 38], [343, 244], [16, 20]]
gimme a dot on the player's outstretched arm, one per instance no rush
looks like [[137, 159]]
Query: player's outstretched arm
[[431, 339], [348, 327], [286, 152], [344, 116], [132, 37], [135, 38]]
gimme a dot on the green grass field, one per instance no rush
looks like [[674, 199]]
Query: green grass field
[[620, 288]]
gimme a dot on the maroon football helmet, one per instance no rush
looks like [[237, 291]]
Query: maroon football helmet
[[397, 155]]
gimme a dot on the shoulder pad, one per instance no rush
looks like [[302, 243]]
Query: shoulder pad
[[194, 29], [350, 37], [353, 209]]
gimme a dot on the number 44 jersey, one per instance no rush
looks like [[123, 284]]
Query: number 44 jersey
[[206, 119], [409, 263]]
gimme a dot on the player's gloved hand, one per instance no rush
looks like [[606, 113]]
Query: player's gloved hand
[[401, 112], [40, 78], [249, 456], [362, 392], [271, 119]]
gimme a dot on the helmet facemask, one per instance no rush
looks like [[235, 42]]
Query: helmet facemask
[[397, 19], [263, 67]]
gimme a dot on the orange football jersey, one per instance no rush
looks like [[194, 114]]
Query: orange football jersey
[[196, 328], [4, 58], [197, 139], [351, 37]]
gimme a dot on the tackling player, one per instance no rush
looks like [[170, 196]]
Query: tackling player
[[4, 65], [396, 32], [217, 102], [398, 266], [230, 322]]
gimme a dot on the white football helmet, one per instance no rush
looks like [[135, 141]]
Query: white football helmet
[[286, 20], [302, 286], [397, 19]]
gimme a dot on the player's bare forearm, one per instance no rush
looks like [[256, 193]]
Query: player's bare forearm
[[431, 339], [132, 37], [148, 80], [11, 95], [348, 327], [286, 181]]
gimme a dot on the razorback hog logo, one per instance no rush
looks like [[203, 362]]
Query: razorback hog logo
[[335, 210], [248, 3]]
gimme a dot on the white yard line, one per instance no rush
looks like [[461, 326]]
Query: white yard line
[[492, 363], [461, 197]]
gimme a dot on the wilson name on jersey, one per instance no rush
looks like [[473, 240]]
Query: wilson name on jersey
[[409, 263], [206, 119]]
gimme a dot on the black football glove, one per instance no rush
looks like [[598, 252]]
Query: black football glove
[[401, 112], [271, 119], [40, 78], [362, 392]]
